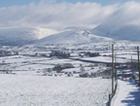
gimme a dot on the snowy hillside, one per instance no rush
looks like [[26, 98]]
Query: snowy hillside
[[123, 32], [37, 35], [73, 37], [28, 90], [21, 35]]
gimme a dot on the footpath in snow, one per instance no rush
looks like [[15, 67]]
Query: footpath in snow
[[128, 94]]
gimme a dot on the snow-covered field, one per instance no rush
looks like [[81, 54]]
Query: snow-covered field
[[33, 63], [104, 59], [28, 90], [30, 87]]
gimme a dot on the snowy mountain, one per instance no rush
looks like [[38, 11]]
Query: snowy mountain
[[22, 35], [102, 33], [123, 32], [72, 37]]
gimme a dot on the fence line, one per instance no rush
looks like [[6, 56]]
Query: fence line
[[112, 95]]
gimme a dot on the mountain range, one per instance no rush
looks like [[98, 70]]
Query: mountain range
[[123, 32], [23, 35], [101, 33]]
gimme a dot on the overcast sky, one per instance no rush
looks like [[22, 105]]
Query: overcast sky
[[68, 13]]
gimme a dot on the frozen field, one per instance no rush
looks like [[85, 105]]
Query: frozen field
[[33, 63], [28, 90], [30, 87]]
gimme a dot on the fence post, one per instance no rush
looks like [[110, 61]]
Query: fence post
[[109, 100]]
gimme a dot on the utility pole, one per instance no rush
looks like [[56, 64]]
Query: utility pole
[[138, 69], [138, 64], [132, 67], [112, 68], [115, 69]]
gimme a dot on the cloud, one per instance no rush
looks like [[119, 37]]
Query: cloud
[[126, 14], [60, 15]]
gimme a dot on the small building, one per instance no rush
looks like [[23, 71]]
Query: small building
[[60, 54], [88, 54]]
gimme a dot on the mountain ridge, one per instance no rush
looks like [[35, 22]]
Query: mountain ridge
[[123, 32], [101, 33], [73, 37]]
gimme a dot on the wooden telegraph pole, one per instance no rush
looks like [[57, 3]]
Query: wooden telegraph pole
[[138, 69], [115, 69], [112, 68], [132, 67], [138, 63]]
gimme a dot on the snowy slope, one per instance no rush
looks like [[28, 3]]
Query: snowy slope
[[122, 32], [73, 37], [28, 90], [102, 33], [15, 35]]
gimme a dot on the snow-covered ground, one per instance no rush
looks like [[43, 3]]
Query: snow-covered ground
[[33, 63], [28, 90], [30, 87], [104, 59], [128, 94]]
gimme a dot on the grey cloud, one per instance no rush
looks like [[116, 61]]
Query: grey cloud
[[64, 14], [127, 14]]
